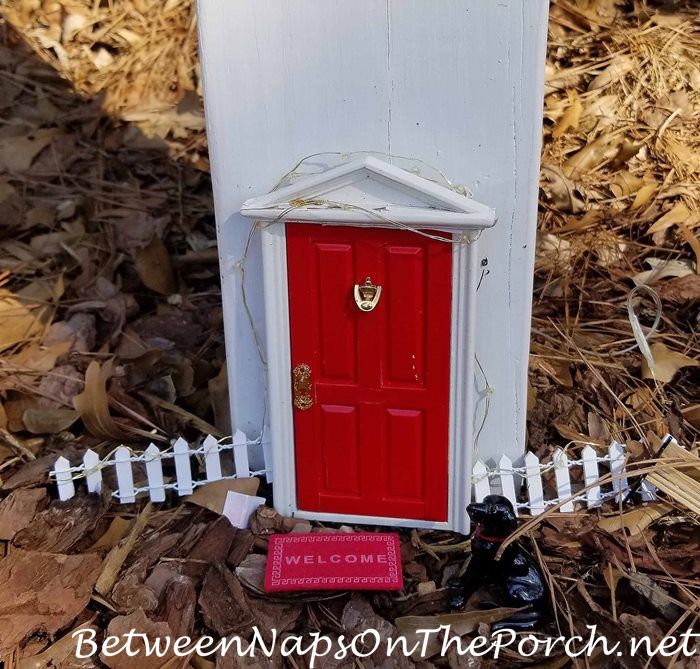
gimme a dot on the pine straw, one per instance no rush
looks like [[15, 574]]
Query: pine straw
[[621, 183], [140, 56]]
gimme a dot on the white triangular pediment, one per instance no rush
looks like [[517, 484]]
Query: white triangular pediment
[[369, 191]]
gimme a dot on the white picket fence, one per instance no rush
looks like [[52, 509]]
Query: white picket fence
[[507, 480], [123, 459]]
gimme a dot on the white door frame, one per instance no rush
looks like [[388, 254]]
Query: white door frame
[[462, 385]]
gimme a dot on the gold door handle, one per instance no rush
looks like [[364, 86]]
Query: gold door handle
[[367, 295], [301, 385]]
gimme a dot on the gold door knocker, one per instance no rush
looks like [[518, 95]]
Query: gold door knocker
[[367, 295], [301, 383]]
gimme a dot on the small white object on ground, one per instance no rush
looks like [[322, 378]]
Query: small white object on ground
[[239, 507]]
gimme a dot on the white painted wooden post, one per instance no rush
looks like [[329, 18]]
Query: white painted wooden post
[[154, 473], [617, 466], [267, 454], [456, 83], [562, 477], [183, 470], [125, 477], [590, 475], [212, 461], [93, 474], [482, 487], [64, 480], [240, 454], [533, 476], [505, 466]]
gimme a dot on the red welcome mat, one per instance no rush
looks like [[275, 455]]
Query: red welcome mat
[[341, 561]]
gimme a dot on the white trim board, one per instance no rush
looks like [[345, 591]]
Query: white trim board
[[369, 191], [459, 464], [458, 84]]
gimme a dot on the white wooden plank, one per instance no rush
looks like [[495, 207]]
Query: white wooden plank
[[64, 479], [154, 473], [240, 454], [404, 78], [591, 475], [212, 460], [267, 454], [335, 102], [482, 486], [481, 124], [533, 477], [183, 470], [505, 466], [617, 467], [125, 477], [562, 477], [93, 473]]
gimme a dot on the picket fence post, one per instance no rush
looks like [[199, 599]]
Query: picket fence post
[[154, 474], [534, 484], [125, 477], [482, 486], [590, 475], [93, 475], [64, 480], [212, 460], [563, 480], [505, 465]]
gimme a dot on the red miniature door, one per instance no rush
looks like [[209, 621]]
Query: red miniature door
[[371, 373]]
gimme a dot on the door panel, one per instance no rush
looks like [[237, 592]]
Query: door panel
[[375, 441]]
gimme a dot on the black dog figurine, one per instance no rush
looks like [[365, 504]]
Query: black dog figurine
[[516, 574]]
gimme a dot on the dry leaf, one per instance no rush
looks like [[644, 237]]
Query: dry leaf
[[460, 624], [571, 117], [590, 156], [117, 530], [213, 495], [666, 363], [644, 195], [17, 322], [49, 421], [218, 392], [17, 153], [57, 653], [692, 415], [154, 267], [619, 66], [679, 213], [662, 269], [117, 556], [93, 404], [635, 521]]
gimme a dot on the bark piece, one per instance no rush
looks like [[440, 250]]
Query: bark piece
[[241, 547], [178, 604], [223, 603], [215, 544], [137, 621], [42, 592], [18, 510], [130, 593], [37, 471], [63, 524]]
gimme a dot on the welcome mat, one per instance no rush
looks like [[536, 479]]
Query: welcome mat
[[333, 561]]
